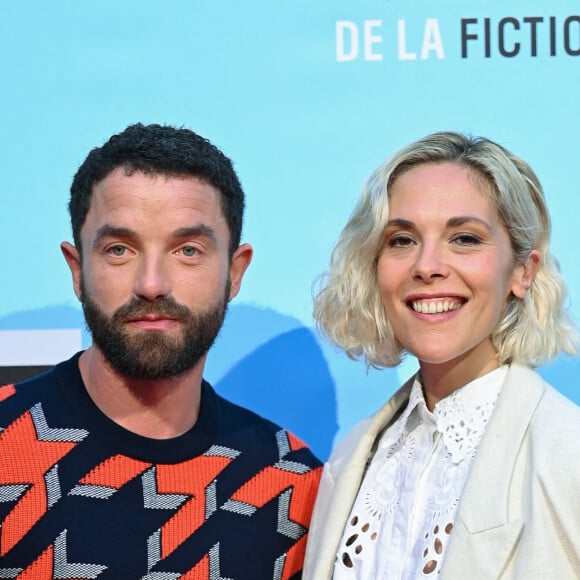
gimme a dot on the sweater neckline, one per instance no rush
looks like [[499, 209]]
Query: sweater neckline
[[197, 440]]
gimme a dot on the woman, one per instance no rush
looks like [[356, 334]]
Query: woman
[[471, 469]]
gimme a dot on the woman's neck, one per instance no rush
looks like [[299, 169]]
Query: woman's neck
[[440, 380]]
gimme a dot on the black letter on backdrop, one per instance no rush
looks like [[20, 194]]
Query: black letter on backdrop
[[501, 27], [571, 51], [533, 20], [464, 36]]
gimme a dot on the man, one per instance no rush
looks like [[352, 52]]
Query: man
[[123, 462]]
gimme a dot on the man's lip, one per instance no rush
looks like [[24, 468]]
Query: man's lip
[[160, 323], [150, 318]]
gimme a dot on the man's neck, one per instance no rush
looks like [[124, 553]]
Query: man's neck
[[159, 409]]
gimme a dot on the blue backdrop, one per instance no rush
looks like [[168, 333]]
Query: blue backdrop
[[307, 98]]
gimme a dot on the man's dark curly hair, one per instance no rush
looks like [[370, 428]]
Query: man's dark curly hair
[[164, 150]]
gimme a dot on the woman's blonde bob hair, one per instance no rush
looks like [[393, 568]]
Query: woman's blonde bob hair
[[348, 306]]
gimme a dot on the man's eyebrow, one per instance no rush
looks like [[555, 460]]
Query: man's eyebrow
[[201, 230], [109, 231]]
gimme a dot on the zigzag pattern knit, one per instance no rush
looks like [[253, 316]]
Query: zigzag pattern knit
[[81, 497]]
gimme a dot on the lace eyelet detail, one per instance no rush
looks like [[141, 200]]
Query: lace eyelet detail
[[360, 536], [435, 544]]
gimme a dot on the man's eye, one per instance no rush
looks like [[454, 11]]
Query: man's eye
[[117, 250], [189, 251]]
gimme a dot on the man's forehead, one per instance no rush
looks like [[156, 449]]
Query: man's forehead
[[119, 184]]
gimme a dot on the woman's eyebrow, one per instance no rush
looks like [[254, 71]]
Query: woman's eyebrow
[[465, 219], [401, 223], [451, 222]]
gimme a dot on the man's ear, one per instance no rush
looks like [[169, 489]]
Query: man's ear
[[238, 266], [73, 259], [524, 274]]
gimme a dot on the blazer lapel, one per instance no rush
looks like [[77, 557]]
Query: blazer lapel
[[485, 533], [328, 527]]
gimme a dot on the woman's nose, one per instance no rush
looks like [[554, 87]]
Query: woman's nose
[[430, 263]]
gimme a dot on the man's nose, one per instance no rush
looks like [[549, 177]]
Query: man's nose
[[152, 280]]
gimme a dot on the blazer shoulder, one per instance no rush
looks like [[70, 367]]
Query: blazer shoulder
[[554, 428], [557, 418], [361, 438], [552, 405]]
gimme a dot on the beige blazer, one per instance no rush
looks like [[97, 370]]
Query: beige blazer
[[519, 516]]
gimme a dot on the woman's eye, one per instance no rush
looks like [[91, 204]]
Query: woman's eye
[[400, 241], [466, 239]]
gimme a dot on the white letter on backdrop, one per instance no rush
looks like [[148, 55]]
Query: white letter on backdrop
[[370, 39], [343, 26], [403, 54], [432, 39]]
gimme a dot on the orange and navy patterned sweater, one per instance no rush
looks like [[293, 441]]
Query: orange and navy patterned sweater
[[81, 497]]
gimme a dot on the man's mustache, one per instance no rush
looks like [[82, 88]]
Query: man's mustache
[[137, 307]]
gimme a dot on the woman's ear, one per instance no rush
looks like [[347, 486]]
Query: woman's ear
[[524, 274]]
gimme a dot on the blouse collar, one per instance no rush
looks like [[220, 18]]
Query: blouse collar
[[460, 417]]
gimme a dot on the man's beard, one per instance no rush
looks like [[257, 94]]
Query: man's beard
[[153, 354]]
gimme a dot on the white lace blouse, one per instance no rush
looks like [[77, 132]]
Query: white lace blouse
[[403, 517]]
